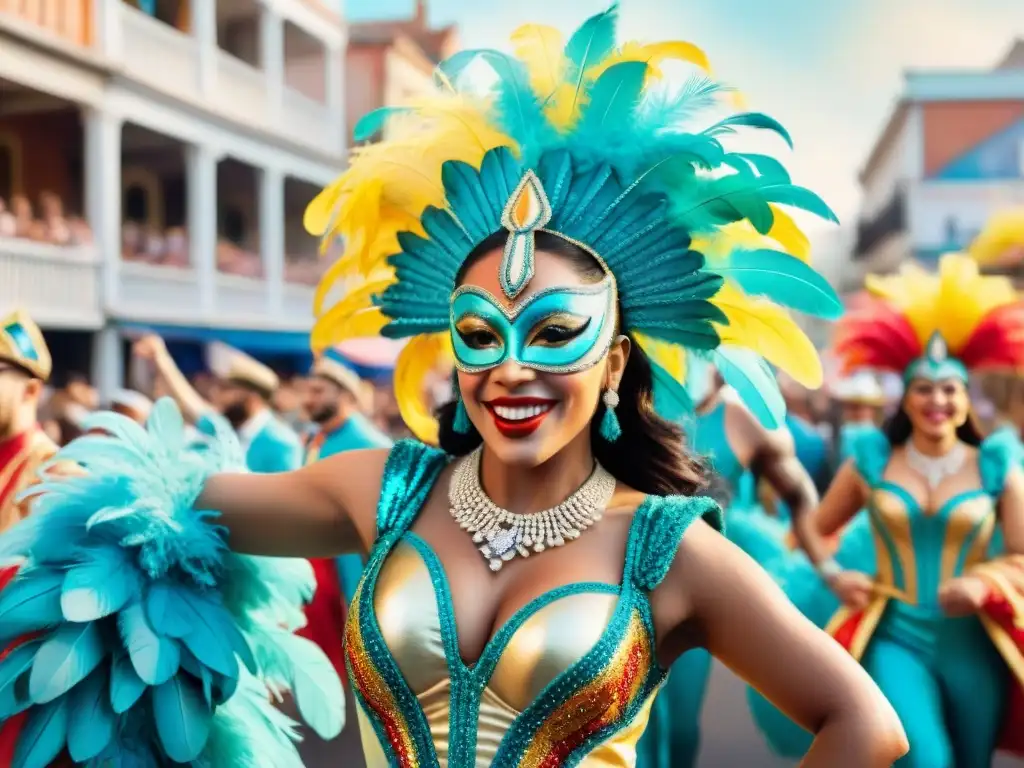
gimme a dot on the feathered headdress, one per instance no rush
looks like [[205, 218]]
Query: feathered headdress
[[935, 324], [1001, 242], [584, 139]]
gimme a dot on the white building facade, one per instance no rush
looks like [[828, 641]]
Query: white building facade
[[210, 133], [951, 155]]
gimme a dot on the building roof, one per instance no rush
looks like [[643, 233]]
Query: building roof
[[433, 42], [1005, 80]]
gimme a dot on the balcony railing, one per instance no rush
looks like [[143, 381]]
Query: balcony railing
[[890, 220], [58, 286], [168, 60], [158, 294], [158, 54]]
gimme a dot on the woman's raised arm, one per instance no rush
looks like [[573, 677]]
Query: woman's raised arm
[[322, 510], [745, 620]]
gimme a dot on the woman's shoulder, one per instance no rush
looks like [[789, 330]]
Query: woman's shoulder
[[659, 527]]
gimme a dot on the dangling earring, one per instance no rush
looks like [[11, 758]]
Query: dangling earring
[[461, 423], [610, 429]]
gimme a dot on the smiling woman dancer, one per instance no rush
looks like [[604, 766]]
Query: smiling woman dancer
[[529, 583], [935, 623]]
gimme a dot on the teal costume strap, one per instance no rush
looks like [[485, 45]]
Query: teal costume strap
[[409, 475], [999, 453], [870, 450], [658, 527]]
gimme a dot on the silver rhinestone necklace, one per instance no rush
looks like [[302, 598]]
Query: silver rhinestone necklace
[[502, 534], [935, 469]]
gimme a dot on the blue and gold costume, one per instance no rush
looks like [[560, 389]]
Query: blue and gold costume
[[952, 681]]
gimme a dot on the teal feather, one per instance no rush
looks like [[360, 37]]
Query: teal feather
[[669, 107], [373, 122], [44, 736], [671, 399], [14, 667], [182, 718], [154, 657], [126, 687], [613, 99], [100, 586], [750, 120], [92, 723], [317, 694], [785, 279], [763, 165], [31, 602], [592, 42], [128, 526], [206, 625], [167, 610], [753, 381], [64, 659]]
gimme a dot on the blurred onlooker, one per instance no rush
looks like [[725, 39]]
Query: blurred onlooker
[[135, 405], [70, 404], [288, 404], [332, 401], [241, 393]]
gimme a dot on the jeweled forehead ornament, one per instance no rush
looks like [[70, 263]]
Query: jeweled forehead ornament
[[526, 211]]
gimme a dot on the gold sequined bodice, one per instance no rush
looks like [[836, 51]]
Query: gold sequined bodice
[[553, 638]]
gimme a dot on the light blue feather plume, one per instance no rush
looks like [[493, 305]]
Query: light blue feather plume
[[126, 687], [29, 603], [92, 722], [320, 702], [591, 43], [102, 550], [101, 585], [65, 659], [154, 657], [183, 718], [753, 381], [14, 670], [44, 735]]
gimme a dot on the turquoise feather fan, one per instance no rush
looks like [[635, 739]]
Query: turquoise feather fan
[[139, 637]]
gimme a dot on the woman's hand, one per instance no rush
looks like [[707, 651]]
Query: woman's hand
[[854, 588], [963, 596], [746, 622]]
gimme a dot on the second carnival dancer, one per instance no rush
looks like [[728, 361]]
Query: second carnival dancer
[[733, 443], [936, 621], [529, 582]]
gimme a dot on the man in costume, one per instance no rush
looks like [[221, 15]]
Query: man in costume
[[25, 366], [242, 394], [860, 399], [332, 402]]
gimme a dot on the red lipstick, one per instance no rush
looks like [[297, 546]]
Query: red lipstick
[[518, 417]]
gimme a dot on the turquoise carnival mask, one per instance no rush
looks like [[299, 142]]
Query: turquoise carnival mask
[[559, 330], [936, 364]]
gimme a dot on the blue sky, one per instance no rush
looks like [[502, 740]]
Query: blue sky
[[830, 70]]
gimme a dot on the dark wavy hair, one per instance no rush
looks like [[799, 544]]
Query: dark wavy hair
[[897, 429], [651, 454]]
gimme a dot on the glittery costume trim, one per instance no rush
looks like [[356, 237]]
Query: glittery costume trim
[[598, 695]]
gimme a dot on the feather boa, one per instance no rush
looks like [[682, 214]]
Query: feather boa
[[137, 636]]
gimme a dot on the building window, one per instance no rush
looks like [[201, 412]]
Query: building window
[[232, 225], [142, 198], [10, 166]]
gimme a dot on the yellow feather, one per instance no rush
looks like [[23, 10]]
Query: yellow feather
[[540, 48], [330, 329], [769, 331], [1001, 242], [654, 54], [421, 356], [669, 356], [786, 233], [953, 301]]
